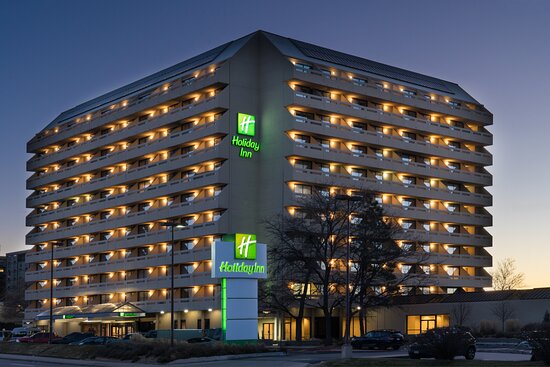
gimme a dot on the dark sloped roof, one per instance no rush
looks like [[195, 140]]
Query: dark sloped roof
[[288, 47], [485, 296], [141, 84]]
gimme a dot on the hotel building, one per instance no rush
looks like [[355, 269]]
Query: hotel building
[[108, 173]]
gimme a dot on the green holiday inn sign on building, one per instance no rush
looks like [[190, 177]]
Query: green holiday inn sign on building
[[246, 125]]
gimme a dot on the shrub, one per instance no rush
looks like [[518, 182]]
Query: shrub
[[487, 327], [512, 325]]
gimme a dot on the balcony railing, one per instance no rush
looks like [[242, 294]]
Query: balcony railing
[[117, 153], [127, 263], [129, 195], [382, 163], [395, 92], [151, 215], [386, 186], [129, 130], [393, 139], [135, 102], [427, 123]]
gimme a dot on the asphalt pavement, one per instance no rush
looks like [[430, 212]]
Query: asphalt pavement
[[290, 360]]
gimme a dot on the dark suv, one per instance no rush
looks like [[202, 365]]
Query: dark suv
[[379, 339], [444, 343]]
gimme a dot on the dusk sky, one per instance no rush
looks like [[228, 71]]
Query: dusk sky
[[57, 54]]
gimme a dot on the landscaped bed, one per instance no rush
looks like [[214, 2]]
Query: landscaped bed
[[154, 351], [406, 362]]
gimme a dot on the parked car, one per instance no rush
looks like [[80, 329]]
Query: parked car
[[72, 338], [38, 338], [151, 334], [96, 340], [379, 339], [200, 340], [20, 332], [444, 343]]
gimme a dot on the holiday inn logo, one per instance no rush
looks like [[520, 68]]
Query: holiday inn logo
[[245, 246], [246, 124]]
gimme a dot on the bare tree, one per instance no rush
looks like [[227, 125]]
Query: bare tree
[[506, 276], [309, 247], [461, 313], [503, 311]]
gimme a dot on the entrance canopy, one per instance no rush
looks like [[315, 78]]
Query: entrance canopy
[[104, 310]]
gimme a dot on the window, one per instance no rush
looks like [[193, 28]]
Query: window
[[408, 136], [453, 207], [358, 149], [452, 228], [409, 93], [358, 81], [356, 172], [407, 158], [418, 324], [143, 228], [359, 125], [378, 175], [144, 206], [304, 68], [408, 224], [304, 139], [301, 164], [305, 115], [409, 113], [408, 202], [302, 189], [408, 180], [453, 165], [143, 251]]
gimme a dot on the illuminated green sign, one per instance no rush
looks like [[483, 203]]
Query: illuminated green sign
[[243, 268], [67, 317], [246, 124], [130, 314], [245, 246]]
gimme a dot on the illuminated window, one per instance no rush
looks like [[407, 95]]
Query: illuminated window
[[418, 324]]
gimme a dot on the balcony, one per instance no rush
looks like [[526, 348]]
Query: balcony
[[128, 220], [384, 186], [408, 122], [120, 178], [207, 178], [392, 95], [445, 237], [220, 76], [390, 164], [130, 263], [453, 281], [131, 131], [351, 134], [122, 156], [133, 285], [220, 226], [423, 213]]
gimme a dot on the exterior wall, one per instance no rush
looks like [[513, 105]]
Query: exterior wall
[[15, 271], [524, 312], [234, 194]]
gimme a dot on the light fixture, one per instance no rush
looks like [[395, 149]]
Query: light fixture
[[162, 312]]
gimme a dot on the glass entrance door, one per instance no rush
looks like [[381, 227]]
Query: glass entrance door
[[267, 332]]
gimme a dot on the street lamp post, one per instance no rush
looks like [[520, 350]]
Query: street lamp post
[[172, 225], [51, 292], [346, 347]]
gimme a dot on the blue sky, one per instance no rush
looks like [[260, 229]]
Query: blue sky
[[56, 54]]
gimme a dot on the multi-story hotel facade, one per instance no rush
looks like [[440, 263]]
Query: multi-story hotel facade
[[108, 173]]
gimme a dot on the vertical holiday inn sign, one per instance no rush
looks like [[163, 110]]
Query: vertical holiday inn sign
[[246, 125]]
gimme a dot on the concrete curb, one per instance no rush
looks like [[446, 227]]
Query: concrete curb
[[110, 363], [70, 362], [224, 358]]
